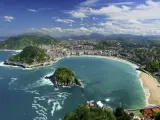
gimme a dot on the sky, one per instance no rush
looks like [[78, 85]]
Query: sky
[[80, 17]]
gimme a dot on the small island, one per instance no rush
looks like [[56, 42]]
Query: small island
[[64, 77], [30, 57]]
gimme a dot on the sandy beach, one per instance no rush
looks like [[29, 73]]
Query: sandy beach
[[150, 83], [111, 58]]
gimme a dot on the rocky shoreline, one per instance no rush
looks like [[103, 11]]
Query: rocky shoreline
[[6, 62], [52, 78]]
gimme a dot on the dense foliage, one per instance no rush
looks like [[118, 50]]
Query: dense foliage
[[156, 116], [95, 113], [145, 51], [22, 41], [64, 75], [30, 55], [121, 115], [153, 66]]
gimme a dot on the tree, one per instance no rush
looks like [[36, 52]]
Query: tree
[[121, 115], [30, 55], [93, 113], [156, 116], [82, 113]]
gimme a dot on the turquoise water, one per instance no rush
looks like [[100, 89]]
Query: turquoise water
[[26, 95]]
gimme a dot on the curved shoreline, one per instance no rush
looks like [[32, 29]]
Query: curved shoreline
[[150, 84], [151, 91]]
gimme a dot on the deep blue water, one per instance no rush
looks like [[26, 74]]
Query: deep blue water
[[26, 95]]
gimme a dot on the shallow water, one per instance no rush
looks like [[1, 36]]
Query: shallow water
[[26, 95]]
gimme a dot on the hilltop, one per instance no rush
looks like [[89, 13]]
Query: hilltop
[[30, 56], [64, 77], [22, 41]]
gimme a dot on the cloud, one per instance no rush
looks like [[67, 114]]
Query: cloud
[[113, 18], [8, 18], [78, 13], [65, 20], [37, 10], [131, 27], [32, 10], [146, 11], [57, 31], [112, 9], [89, 3], [122, 3]]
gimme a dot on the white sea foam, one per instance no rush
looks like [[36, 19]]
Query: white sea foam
[[39, 118], [39, 106], [41, 114], [31, 91], [66, 86], [39, 98], [56, 89], [1, 78], [40, 110], [12, 81], [12, 50], [39, 83], [2, 64], [55, 100], [42, 82], [107, 100], [145, 90], [56, 106], [91, 101]]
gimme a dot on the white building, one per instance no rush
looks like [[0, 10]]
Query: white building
[[100, 104]]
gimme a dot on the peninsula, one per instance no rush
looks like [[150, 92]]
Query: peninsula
[[64, 77], [29, 57]]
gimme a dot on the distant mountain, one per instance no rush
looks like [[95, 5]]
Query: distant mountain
[[96, 36], [22, 41], [93, 36], [3, 38]]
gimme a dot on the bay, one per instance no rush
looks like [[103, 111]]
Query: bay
[[26, 95]]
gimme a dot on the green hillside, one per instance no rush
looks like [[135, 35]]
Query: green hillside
[[30, 55], [22, 41]]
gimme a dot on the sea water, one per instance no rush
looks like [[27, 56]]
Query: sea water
[[26, 95]]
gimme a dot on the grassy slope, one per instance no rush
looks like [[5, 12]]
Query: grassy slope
[[22, 41]]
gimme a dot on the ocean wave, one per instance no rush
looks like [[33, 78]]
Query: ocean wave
[[107, 100], [52, 101], [12, 81], [39, 83], [66, 86], [39, 107], [3, 65], [1, 78], [147, 95], [91, 101], [56, 89], [42, 82], [31, 91], [56, 106], [12, 50], [39, 118]]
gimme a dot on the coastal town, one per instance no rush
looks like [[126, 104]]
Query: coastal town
[[139, 56], [79, 59]]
